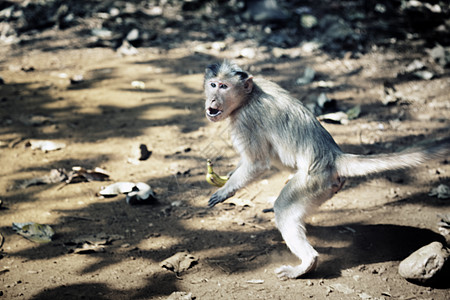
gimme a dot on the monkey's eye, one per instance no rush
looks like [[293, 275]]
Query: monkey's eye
[[213, 84], [223, 86]]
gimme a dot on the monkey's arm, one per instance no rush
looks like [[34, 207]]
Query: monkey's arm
[[245, 172]]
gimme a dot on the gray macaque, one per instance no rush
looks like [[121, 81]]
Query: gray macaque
[[268, 125]]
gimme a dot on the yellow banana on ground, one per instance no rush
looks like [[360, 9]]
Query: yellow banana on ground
[[212, 178]]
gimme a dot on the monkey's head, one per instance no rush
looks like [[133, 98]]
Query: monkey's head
[[227, 88]]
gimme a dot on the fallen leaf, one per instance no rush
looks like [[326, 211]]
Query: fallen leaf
[[80, 174], [354, 112], [179, 262], [55, 175], [39, 233], [92, 243], [445, 220], [35, 120], [342, 288], [88, 248], [442, 191]]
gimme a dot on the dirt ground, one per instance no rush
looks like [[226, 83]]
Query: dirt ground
[[361, 234]]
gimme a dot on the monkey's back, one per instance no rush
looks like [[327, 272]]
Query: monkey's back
[[273, 119]]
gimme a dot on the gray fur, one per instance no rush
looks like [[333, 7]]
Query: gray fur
[[268, 125]]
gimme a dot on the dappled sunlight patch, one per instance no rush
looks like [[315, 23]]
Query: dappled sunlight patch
[[163, 113], [157, 242]]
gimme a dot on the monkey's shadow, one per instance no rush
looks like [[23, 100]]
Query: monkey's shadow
[[352, 245]]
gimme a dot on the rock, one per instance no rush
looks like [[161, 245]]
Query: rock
[[336, 31], [390, 95], [278, 52], [126, 49], [7, 12], [320, 104], [265, 11], [133, 35], [144, 152], [102, 33], [117, 188], [8, 34], [308, 76], [309, 47], [219, 46], [415, 65], [114, 12], [45, 146], [425, 263], [255, 281], [444, 226], [249, 53], [308, 21], [338, 117], [440, 55], [425, 75], [142, 194], [76, 79], [139, 85]]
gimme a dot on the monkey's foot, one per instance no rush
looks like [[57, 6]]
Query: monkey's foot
[[290, 272]]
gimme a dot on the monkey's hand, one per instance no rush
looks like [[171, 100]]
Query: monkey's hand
[[219, 197], [244, 173]]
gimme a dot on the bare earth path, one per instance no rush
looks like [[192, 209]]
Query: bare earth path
[[361, 234]]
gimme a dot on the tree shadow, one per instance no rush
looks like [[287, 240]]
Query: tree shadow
[[357, 24], [365, 244], [369, 244], [71, 121], [157, 285]]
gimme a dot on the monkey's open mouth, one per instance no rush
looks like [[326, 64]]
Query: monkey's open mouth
[[212, 112]]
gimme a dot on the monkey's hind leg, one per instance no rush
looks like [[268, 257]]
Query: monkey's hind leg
[[290, 209], [290, 225]]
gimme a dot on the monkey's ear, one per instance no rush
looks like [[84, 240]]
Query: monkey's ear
[[242, 75], [248, 85]]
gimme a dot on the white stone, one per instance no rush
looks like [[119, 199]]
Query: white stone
[[424, 263]]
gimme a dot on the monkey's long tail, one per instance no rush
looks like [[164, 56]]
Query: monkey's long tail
[[352, 165]]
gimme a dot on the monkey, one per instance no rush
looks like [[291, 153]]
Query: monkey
[[268, 126]]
